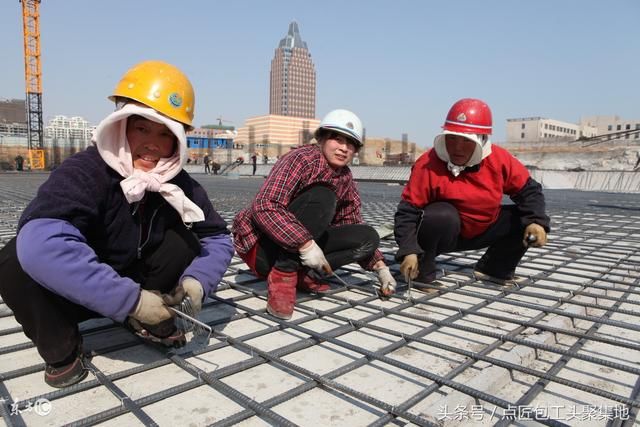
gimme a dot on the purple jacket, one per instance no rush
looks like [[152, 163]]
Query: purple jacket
[[79, 235]]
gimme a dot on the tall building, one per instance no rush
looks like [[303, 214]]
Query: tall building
[[293, 78]]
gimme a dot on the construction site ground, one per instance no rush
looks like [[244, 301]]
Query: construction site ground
[[562, 348]]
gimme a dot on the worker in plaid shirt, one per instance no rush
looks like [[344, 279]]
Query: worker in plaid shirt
[[305, 221]]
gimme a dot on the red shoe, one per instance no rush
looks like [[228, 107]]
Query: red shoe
[[307, 283], [282, 293]]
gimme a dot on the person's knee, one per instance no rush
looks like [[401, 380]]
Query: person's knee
[[314, 208], [322, 194], [369, 243]]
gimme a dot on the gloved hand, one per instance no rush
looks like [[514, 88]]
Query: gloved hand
[[151, 309], [534, 235], [313, 257], [195, 292], [387, 282], [409, 267]]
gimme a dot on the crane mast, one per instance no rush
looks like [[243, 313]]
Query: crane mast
[[33, 81]]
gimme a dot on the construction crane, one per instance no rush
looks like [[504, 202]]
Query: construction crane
[[33, 81], [220, 120]]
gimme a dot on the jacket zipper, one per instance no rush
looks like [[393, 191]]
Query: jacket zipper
[[140, 243]]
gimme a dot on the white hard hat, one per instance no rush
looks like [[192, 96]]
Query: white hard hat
[[344, 122]]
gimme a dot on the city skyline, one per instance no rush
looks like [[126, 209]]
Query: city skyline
[[398, 66], [292, 85]]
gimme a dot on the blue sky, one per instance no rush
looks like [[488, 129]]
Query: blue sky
[[398, 64]]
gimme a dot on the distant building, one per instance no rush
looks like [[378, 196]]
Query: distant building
[[613, 124], [540, 129], [70, 128], [292, 89], [388, 152], [13, 129], [211, 136], [275, 135], [13, 111]]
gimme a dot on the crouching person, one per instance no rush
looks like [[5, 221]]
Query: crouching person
[[306, 220], [452, 202], [117, 230]]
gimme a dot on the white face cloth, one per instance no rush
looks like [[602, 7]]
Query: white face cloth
[[482, 150], [110, 138]]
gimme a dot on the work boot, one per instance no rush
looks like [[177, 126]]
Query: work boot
[[309, 283], [66, 373], [425, 282], [281, 293], [506, 281]]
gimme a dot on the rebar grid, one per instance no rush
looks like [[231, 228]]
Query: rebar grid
[[581, 294]]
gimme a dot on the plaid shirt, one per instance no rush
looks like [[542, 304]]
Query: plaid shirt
[[295, 172]]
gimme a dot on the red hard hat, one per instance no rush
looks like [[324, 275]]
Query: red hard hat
[[469, 116]]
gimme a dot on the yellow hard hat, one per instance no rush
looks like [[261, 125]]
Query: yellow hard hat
[[160, 86]]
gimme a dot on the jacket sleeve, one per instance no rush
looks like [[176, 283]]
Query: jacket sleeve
[[56, 255], [531, 204], [269, 209], [348, 210], [209, 267], [406, 223]]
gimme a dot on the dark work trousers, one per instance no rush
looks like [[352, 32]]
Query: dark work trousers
[[341, 244], [439, 232], [51, 321]]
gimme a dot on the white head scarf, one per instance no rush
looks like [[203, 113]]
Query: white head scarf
[[482, 150], [110, 138]]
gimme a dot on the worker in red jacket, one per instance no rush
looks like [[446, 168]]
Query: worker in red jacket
[[306, 219], [453, 202]]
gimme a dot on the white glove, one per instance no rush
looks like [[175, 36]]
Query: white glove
[[314, 258], [195, 292], [387, 282], [151, 309]]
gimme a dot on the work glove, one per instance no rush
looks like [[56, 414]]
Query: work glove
[[387, 282], [409, 267], [314, 258], [195, 292], [151, 309], [534, 235]]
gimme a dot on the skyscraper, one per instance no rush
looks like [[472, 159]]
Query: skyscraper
[[293, 78]]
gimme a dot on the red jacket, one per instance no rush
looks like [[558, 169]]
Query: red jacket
[[475, 193]]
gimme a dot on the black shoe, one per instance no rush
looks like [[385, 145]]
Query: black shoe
[[426, 281], [507, 281], [64, 375]]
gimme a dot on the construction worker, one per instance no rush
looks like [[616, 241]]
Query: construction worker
[[305, 221], [119, 230], [452, 202]]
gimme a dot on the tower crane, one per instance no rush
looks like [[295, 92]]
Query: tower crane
[[221, 120], [33, 81]]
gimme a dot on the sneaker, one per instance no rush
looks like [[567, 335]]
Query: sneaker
[[165, 333], [306, 283], [509, 281], [281, 297], [65, 374]]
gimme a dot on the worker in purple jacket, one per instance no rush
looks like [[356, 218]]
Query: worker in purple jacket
[[119, 230]]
